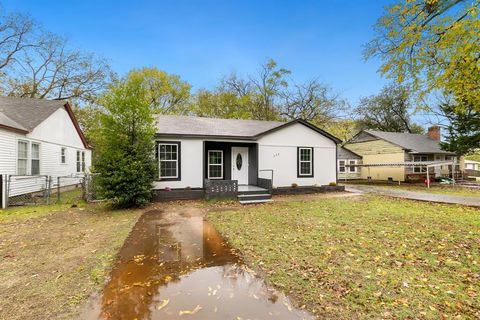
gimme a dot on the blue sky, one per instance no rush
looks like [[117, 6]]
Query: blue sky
[[203, 40]]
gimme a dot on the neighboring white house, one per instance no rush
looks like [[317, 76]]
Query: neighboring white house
[[194, 150], [39, 138]]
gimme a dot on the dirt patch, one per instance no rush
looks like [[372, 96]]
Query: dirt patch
[[51, 262]]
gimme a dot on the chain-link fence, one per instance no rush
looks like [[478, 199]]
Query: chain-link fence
[[27, 190], [91, 188], [66, 189], [34, 190]]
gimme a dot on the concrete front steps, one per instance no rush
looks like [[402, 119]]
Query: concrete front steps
[[254, 197]]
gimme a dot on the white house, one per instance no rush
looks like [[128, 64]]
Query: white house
[[39, 138], [197, 153]]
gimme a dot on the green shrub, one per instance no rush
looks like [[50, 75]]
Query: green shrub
[[125, 143]]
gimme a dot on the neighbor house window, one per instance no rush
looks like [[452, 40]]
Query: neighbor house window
[[215, 164], [63, 156], [22, 158], [341, 166], [353, 169], [420, 158], [168, 156], [305, 162], [35, 159]]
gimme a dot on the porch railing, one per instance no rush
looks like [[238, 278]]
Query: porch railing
[[220, 189], [265, 182]]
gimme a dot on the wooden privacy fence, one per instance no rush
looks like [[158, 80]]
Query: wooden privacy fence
[[220, 189]]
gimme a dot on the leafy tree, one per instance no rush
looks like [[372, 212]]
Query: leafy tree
[[35, 63], [434, 45], [223, 104], [166, 93], [390, 110], [475, 155], [344, 129], [463, 128], [125, 141]]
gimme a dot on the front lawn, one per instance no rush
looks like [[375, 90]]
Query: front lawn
[[365, 257], [53, 257]]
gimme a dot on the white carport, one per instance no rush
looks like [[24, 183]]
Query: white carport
[[424, 164]]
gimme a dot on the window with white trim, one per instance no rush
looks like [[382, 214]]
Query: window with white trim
[[341, 166], [215, 164], [35, 159], [352, 169], [420, 158], [22, 158], [63, 155], [168, 160], [83, 161], [79, 161], [305, 162]]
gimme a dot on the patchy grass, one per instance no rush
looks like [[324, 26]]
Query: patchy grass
[[436, 188], [53, 257], [368, 257], [67, 199]]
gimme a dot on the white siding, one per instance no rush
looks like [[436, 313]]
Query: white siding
[[8, 149], [53, 134], [191, 164], [278, 151]]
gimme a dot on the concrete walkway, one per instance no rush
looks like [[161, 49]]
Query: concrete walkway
[[421, 196]]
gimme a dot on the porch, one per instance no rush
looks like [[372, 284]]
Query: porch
[[231, 171]]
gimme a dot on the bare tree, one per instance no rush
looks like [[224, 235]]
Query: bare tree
[[269, 84], [38, 64], [312, 101], [15, 33]]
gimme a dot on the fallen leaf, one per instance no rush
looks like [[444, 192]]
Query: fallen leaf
[[197, 308], [163, 304]]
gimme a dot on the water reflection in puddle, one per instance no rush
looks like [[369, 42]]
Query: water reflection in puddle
[[175, 265]]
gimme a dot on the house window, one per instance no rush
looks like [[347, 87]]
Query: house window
[[22, 158], [420, 158], [35, 159], [341, 166], [83, 161], [79, 161], [305, 162], [215, 164], [63, 155], [168, 155], [353, 169]]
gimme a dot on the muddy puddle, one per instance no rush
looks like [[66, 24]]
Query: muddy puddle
[[174, 265]]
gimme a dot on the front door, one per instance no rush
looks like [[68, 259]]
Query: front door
[[240, 164]]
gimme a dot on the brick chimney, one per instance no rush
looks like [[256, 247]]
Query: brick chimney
[[434, 133]]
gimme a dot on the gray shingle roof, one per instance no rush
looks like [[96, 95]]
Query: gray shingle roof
[[198, 126], [25, 113], [7, 122], [344, 153], [417, 143]]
